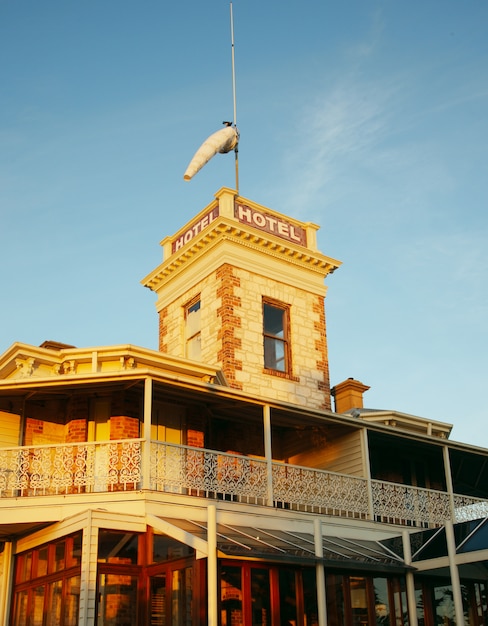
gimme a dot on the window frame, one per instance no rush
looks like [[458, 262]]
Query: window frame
[[284, 341], [191, 339]]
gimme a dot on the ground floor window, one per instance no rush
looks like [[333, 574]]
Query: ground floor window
[[435, 602], [47, 584], [356, 600], [252, 594]]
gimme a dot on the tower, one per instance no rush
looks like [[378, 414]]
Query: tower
[[242, 287]]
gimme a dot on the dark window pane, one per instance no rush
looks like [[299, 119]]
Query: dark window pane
[[231, 596], [260, 597], [117, 547], [274, 321], [158, 600]]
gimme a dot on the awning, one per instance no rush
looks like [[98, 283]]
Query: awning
[[276, 545]]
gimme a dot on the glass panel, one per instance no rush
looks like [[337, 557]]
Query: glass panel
[[231, 596], [309, 582], [260, 597], [24, 567], [288, 597], [274, 321], [381, 604], [158, 600], [193, 319], [72, 601], [335, 600], [117, 604], [274, 354], [55, 591], [181, 595], [37, 610], [193, 329], [359, 600], [75, 556], [165, 548], [42, 561], [444, 605], [59, 556], [117, 547], [20, 609], [420, 604]]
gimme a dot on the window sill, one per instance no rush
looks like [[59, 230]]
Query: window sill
[[279, 374]]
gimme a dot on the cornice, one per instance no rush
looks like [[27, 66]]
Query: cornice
[[226, 230]]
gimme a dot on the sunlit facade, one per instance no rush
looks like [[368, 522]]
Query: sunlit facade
[[220, 480]]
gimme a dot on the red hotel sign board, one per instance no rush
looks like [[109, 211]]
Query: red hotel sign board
[[270, 224], [245, 215], [194, 229]]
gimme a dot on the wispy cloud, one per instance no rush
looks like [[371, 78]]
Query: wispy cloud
[[345, 123]]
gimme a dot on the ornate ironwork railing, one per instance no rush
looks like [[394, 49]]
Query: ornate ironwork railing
[[329, 493], [202, 472], [70, 468], [415, 506], [117, 465]]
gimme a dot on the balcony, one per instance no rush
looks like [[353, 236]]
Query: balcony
[[70, 469]]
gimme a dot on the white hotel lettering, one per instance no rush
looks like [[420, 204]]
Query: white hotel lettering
[[194, 230], [270, 224]]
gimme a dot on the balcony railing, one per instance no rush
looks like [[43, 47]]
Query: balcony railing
[[117, 466], [70, 468]]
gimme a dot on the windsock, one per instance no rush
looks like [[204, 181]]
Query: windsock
[[222, 141]]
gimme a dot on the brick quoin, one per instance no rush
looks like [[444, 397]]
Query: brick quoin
[[229, 321], [163, 330], [321, 347]]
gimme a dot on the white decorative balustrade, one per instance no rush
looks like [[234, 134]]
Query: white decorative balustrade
[[329, 493], [70, 468], [198, 471], [117, 465], [404, 504]]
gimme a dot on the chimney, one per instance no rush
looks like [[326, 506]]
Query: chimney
[[348, 395]]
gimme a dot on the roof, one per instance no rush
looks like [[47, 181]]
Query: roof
[[277, 545]]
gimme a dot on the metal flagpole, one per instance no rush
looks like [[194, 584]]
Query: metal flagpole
[[236, 149]]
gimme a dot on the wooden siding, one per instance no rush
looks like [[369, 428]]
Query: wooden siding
[[341, 455], [9, 429]]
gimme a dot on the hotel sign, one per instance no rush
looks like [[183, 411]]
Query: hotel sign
[[270, 224], [194, 229], [245, 215]]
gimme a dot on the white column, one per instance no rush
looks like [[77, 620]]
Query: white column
[[146, 450], [212, 578], [6, 581], [450, 490], [268, 453], [367, 470], [455, 582], [410, 581], [320, 572], [88, 586]]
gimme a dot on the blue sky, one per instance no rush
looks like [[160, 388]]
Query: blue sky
[[368, 118]]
